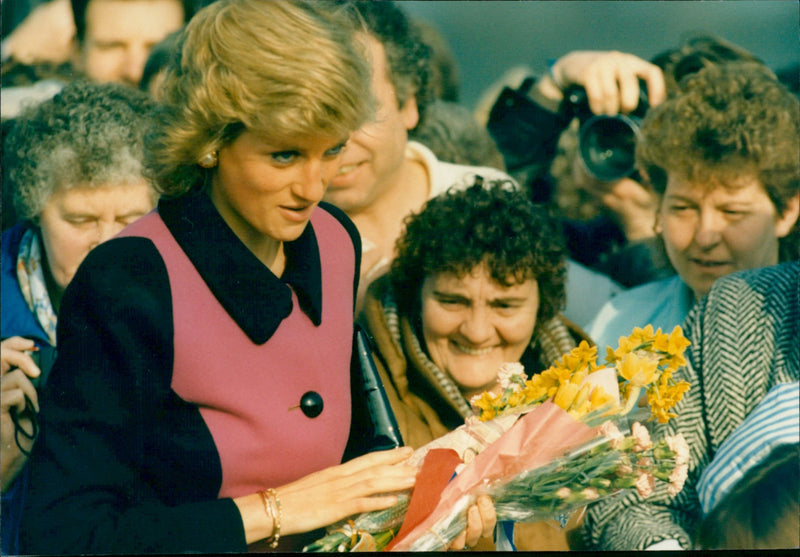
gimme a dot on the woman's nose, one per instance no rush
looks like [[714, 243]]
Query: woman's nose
[[709, 228], [476, 326], [107, 229], [313, 181]]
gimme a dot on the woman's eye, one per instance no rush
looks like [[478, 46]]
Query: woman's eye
[[335, 151], [79, 221], [284, 157], [734, 214], [505, 308], [128, 219], [452, 302]]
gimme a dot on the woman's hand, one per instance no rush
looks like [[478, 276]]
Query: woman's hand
[[610, 79], [481, 520], [364, 484], [16, 370]]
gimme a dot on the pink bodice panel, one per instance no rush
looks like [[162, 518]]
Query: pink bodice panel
[[248, 394]]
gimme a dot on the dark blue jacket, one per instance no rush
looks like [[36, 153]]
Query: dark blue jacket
[[16, 319]]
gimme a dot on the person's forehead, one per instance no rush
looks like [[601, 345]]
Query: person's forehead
[[144, 18], [725, 185]]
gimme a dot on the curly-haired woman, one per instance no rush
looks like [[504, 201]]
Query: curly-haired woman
[[78, 179], [722, 158], [478, 280]]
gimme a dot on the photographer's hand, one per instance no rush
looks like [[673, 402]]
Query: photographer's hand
[[610, 79], [632, 205], [16, 372]]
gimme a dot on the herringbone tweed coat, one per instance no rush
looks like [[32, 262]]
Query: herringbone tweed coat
[[744, 341]]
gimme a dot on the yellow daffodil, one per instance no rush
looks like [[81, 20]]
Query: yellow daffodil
[[485, 402], [642, 335], [565, 395], [600, 398], [677, 342], [581, 397], [638, 370]]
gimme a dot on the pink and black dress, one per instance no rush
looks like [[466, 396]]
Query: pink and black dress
[[183, 362]]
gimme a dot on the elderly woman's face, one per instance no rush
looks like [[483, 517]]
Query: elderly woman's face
[[75, 221], [712, 231], [471, 325]]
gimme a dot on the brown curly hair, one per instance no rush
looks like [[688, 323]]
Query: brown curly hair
[[493, 224], [729, 120]]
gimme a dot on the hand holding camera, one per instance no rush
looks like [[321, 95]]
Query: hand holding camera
[[610, 79], [609, 92]]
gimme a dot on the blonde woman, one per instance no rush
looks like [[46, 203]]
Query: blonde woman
[[201, 399]]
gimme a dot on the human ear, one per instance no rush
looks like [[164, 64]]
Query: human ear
[[788, 218], [409, 113]]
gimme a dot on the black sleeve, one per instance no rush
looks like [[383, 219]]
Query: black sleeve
[[354, 236], [109, 470]]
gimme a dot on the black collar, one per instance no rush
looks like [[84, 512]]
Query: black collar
[[251, 294]]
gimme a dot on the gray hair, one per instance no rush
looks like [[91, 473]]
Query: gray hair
[[89, 135]]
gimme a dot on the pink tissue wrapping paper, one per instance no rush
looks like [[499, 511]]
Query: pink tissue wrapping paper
[[540, 436]]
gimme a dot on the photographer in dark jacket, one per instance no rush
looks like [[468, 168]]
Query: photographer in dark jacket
[[553, 117]]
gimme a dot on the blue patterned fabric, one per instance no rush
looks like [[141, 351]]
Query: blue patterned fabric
[[774, 422]]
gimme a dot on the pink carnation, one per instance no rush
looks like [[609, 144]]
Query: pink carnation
[[645, 484], [507, 370], [677, 478], [612, 433], [678, 445], [641, 437]]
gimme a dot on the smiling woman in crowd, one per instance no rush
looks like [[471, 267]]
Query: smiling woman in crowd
[[478, 281]]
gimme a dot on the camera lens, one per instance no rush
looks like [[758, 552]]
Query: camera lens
[[607, 145]]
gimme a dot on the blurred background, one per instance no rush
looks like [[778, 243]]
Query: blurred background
[[489, 38]]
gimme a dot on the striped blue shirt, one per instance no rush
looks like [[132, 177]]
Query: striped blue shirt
[[775, 421]]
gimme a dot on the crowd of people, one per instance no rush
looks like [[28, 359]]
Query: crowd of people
[[203, 199]]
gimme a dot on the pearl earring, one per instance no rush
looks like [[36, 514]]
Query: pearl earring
[[209, 160]]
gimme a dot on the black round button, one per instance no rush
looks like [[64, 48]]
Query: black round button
[[311, 404]]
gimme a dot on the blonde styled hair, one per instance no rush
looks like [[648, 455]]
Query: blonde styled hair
[[285, 68]]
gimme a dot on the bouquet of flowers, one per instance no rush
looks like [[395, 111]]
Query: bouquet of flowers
[[644, 360], [543, 482], [545, 446]]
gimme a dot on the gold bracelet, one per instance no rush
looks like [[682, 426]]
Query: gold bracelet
[[276, 529], [268, 510]]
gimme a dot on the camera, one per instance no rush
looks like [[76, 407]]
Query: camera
[[606, 144]]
